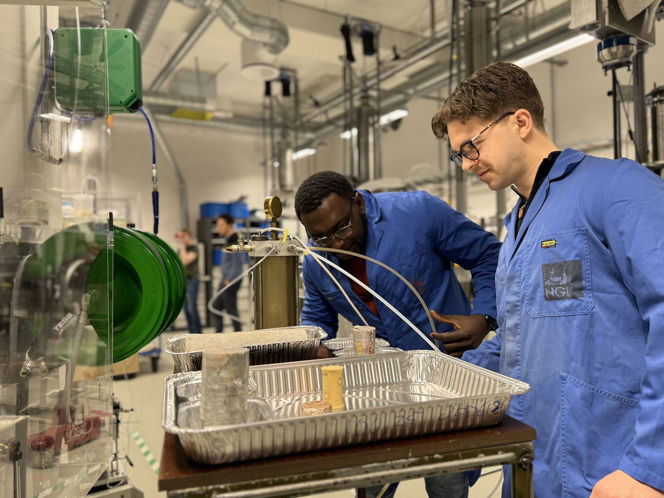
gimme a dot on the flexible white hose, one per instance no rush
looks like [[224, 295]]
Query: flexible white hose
[[388, 268], [217, 312], [306, 252]]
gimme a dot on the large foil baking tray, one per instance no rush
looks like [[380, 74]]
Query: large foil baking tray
[[386, 396], [275, 345]]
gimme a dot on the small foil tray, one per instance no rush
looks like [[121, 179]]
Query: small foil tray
[[347, 342], [386, 396], [343, 353], [276, 345]]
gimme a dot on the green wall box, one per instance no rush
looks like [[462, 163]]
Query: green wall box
[[125, 91]]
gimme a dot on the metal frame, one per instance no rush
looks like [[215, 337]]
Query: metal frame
[[518, 455]]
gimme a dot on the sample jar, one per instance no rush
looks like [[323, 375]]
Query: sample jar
[[364, 340]]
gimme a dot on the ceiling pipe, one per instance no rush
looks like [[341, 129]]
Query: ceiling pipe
[[182, 51], [436, 76], [144, 18], [418, 55], [558, 15], [239, 124], [183, 101]]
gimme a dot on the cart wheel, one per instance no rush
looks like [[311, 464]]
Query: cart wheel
[[155, 363]]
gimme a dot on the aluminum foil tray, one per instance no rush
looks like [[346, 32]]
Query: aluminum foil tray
[[347, 342], [274, 345], [351, 352], [386, 396]]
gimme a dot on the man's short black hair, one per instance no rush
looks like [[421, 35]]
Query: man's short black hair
[[317, 187], [227, 218]]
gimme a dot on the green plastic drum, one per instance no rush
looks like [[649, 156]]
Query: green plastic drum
[[177, 280], [140, 293]]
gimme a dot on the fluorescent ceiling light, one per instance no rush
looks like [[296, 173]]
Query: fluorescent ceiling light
[[299, 154], [553, 50], [385, 119], [394, 115], [346, 134]]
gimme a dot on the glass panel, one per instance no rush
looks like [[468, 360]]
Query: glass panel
[[55, 376]]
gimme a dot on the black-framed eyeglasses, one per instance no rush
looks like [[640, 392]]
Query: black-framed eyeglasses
[[341, 233], [468, 149]]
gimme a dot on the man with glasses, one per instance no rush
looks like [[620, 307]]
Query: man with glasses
[[580, 287], [419, 236]]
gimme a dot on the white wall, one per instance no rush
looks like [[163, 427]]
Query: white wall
[[217, 166]]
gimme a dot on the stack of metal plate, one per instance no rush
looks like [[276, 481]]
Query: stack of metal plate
[[386, 396]]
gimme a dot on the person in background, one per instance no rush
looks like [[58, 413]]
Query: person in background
[[580, 286], [188, 252], [419, 236], [231, 268]]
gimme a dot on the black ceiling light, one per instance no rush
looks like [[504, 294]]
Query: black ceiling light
[[345, 31], [367, 36], [285, 85]]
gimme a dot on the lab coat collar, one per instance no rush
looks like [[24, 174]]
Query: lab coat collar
[[374, 222], [567, 161]]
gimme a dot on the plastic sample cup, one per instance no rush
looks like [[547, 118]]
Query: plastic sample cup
[[224, 386], [333, 386], [364, 340]]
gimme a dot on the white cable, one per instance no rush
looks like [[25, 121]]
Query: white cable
[[388, 268], [306, 252], [210, 306], [329, 274]]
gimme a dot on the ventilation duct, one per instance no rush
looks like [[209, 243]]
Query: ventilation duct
[[271, 33]]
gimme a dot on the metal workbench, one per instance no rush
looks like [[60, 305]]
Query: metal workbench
[[509, 443]]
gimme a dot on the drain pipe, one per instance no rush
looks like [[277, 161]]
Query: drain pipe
[[170, 158]]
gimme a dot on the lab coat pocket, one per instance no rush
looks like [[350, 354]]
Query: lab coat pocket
[[556, 274], [596, 428]]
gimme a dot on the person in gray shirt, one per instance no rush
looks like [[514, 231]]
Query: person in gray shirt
[[231, 267]]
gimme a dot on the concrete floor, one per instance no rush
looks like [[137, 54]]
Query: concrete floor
[[143, 394]]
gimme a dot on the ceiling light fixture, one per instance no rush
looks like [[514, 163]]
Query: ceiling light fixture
[[391, 116], [553, 50], [299, 154], [347, 134], [385, 119]]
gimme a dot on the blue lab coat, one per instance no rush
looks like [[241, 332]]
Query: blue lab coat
[[581, 312], [421, 237]]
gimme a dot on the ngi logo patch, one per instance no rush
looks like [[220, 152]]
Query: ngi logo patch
[[562, 280]]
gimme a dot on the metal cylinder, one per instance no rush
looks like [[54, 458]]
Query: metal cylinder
[[655, 100], [275, 292], [364, 113]]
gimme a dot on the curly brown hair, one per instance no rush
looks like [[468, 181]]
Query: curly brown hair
[[489, 92]]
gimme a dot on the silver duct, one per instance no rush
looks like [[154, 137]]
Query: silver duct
[[268, 31], [271, 32]]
